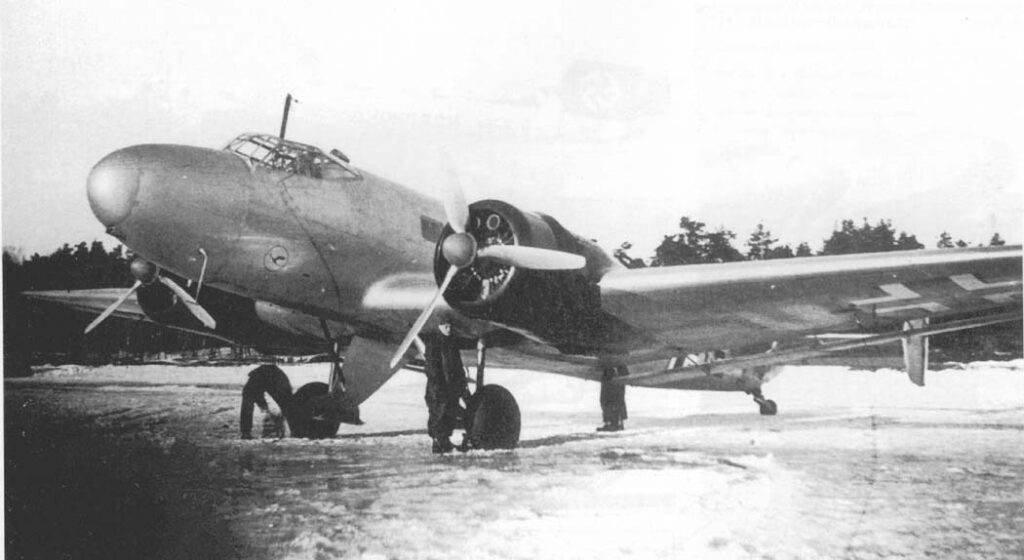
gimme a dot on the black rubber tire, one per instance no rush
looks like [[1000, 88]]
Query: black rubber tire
[[315, 415], [492, 419], [769, 408], [310, 390]]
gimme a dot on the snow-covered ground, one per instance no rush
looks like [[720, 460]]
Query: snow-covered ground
[[856, 465]]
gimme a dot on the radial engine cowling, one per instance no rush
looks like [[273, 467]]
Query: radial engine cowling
[[162, 306], [542, 302]]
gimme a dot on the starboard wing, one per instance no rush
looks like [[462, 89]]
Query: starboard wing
[[731, 305]]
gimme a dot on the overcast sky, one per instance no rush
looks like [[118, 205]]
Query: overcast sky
[[616, 120]]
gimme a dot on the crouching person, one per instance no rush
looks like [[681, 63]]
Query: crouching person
[[269, 380]]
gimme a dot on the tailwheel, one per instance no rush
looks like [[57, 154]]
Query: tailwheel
[[492, 419], [767, 407], [316, 414]]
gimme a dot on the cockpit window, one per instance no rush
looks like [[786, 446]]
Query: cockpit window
[[265, 150]]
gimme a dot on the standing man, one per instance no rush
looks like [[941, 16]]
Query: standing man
[[613, 400], [446, 384]]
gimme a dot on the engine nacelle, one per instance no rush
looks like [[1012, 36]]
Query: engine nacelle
[[555, 306], [161, 305]]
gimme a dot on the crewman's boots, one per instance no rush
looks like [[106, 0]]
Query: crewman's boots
[[442, 445], [615, 426]]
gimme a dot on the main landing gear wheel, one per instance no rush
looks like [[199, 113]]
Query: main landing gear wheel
[[316, 413], [492, 419]]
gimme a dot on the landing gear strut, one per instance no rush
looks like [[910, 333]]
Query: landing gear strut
[[320, 408], [768, 407], [492, 418], [315, 411]]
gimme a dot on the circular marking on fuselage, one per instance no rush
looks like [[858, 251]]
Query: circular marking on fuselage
[[276, 258]]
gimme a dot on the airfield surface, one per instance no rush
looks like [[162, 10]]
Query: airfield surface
[[145, 461]]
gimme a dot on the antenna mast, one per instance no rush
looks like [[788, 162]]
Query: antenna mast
[[284, 118]]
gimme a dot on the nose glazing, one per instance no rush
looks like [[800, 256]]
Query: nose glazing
[[113, 187]]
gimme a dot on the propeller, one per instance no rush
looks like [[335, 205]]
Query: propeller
[[417, 326], [532, 257], [190, 302], [461, 251], [113, 307], [145, 273]]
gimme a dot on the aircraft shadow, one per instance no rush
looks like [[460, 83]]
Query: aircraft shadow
[[568, 438], [394, 433]]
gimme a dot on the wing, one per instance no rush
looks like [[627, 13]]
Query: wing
[[95, 301], [732, 305], [92, 301]]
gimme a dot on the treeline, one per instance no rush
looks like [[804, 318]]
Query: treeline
[[694, 243], [82, 266]]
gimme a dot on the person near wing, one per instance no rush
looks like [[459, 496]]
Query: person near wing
[[613, 400], [446, 385]]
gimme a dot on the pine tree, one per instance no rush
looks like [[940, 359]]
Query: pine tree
[[907, 242], [868, 239], [694, 245], [760, 243], [780, 252]]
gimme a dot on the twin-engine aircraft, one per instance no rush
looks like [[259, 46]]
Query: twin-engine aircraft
[[272, 233]]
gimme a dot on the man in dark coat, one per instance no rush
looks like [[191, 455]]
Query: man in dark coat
[[613, 401], [267, 379], [446, 384]]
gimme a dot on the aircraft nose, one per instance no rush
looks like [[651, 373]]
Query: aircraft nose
[[113, 187]]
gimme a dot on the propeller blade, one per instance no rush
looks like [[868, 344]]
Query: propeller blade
[[113, 307], [456, 210], [190, 302], [532, 257], [422, 319]]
